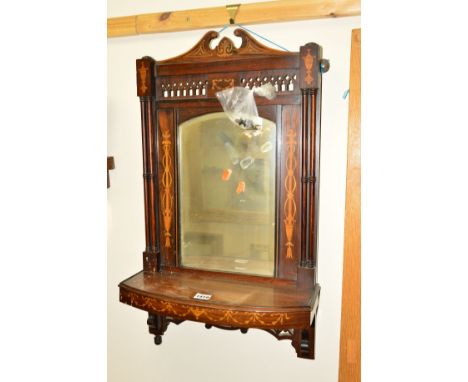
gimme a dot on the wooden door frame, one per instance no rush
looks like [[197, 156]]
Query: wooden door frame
[[350, 341]]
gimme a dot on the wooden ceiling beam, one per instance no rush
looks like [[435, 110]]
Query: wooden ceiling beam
[[250, 13]]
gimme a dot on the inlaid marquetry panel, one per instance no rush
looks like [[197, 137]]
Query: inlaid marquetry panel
[[214, 315], [167, 185], [310, 68], [289, 235], [144, 69], [283, 310]]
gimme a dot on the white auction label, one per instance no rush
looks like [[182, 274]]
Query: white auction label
[[202, 296]]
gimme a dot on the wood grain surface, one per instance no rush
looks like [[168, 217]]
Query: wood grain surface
[[350, 343], [251, 13], [232, 302]]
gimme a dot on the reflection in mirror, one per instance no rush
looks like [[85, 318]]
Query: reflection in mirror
[[227, 195]]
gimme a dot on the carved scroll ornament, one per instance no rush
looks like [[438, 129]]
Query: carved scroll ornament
[[225, 48]]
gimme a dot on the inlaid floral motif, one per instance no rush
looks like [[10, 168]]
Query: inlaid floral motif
[[183, 311], [143, 74], [167, 199], [308, 62], [222, 83], [290, 185]]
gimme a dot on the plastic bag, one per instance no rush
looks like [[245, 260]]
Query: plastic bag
[[239, 105]]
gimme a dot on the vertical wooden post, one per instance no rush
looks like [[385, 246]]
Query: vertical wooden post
[[146, 92], [310, 82], [313, 177], [350, 342], [305, 170]]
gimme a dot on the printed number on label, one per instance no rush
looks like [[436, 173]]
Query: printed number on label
[[201, 296]]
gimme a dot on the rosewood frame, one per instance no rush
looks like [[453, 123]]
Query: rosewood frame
[[178, 89]]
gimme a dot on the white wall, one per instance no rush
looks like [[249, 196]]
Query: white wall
[[189, 351]]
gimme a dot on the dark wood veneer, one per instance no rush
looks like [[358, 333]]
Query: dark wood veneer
[[181, 88]]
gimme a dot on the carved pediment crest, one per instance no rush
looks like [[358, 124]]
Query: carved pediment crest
[[225, 48]]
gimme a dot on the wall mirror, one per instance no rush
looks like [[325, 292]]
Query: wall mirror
[[230, 213], [227, 190]]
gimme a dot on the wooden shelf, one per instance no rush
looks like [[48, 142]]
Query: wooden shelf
[[236, 303]]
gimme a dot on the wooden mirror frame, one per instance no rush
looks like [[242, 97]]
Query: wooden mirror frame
[[176, 90]]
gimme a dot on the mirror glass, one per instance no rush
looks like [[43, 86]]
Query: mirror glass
[[227, 195]]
